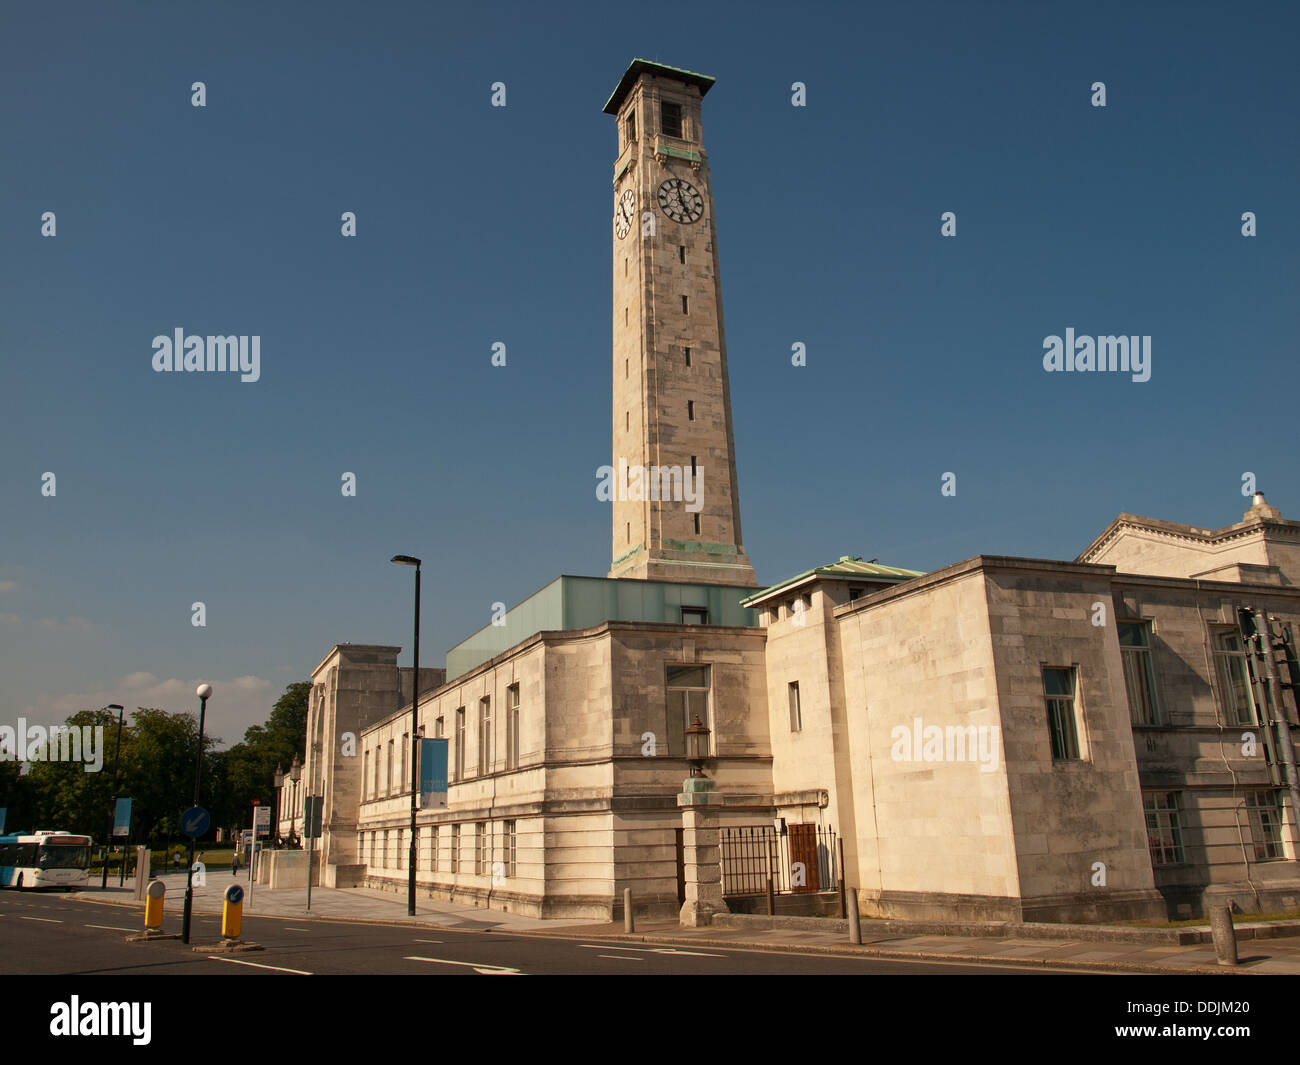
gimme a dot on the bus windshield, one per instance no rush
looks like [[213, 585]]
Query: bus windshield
[[63, 856]]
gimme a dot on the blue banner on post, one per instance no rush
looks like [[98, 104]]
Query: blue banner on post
[[433, 774], [122, 818]]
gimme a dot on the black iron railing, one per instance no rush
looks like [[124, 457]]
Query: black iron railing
[[802, 859]]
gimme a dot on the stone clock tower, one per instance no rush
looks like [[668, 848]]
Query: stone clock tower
[[676, 502]]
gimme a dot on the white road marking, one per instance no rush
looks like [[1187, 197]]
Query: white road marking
[[478, 967], [288, 929], [651, 950], [426, 941], [257, 965], [621, 957], [114, 927], [47, 920]]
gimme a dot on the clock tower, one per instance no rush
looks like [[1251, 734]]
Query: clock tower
[[675, 499]]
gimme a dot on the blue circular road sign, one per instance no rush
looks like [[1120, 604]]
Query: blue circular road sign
[[195, 821], [234, 894]]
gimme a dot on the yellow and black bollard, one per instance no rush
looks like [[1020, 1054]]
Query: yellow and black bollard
[[153, 906], [232, 912]]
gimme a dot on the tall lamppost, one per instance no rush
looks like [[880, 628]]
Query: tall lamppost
[[295, 775], [204, 692], [277, 779], [408, 560], [108, 843]]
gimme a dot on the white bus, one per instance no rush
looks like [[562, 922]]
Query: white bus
[[45, 860]]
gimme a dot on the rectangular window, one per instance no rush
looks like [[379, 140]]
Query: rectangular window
[[695, 615], [685, 308], [688, 356], [631, 124], [400, 849], [681, 252], [1234, 676], [688, 698], [1164, 828], [460, 744], [1059, 691], [696, 523], [1139, 674], [670, 119], [690, 410], [386, 851], [438, 728], [365, 775], [480, 849], [455, 848], [796, 715], [509, 846], [406, 762], [433, 849], [484, 735], [512, 727], [392, 767], [1265, 814]]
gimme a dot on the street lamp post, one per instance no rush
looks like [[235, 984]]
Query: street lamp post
[[108, 843], [204, 693], [295, 775], [408, 560], [277, 779]]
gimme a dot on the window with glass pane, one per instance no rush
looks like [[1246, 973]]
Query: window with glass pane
[[509, 847], [433, 849], [1139, 674], [1234, 677], [484, 735], [1058, 689], [688, 698], [796, 715], [455, 848], [1265, 816], [460, 744], [512, 727], [480, 848], [1164, 827]]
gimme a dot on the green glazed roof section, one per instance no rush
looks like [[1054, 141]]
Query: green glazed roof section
[[846, 568], [645, 66], [584, 602]]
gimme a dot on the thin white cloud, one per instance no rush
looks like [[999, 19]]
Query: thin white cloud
[[8, 586]]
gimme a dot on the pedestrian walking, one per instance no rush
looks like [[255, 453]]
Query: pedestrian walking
[[234, 863]]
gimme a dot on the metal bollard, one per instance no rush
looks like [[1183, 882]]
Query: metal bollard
[[232, 912], [1225, 936], [629, 922], [855, 918], [153, 905]]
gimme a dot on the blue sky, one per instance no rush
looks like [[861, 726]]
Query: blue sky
[[479, 224]]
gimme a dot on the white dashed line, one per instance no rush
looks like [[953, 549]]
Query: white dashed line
[[47, 920], [114, 927], [256, 965]]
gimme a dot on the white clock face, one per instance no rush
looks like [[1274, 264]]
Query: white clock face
[[681, 201], [624, 213]]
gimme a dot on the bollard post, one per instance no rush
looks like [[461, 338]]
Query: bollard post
[[629, 922], [232, 912], [771, 890], [141, 872], [855, 918], [1225, 936], [153, 906], [844, 904]]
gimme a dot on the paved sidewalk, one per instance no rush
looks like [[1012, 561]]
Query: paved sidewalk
[[1263, 956]]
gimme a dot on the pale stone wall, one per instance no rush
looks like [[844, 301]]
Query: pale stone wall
[[1148, 551], [1068, 815], [925, 827], [593, 814]]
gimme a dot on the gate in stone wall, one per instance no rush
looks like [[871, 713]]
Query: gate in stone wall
[[800, 860]]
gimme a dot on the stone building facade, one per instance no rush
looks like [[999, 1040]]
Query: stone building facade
[[1008, 738]]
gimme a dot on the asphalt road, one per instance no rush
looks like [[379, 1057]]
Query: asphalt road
[[55, 934]]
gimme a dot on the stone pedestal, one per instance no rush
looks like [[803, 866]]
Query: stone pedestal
[[702, 853]]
